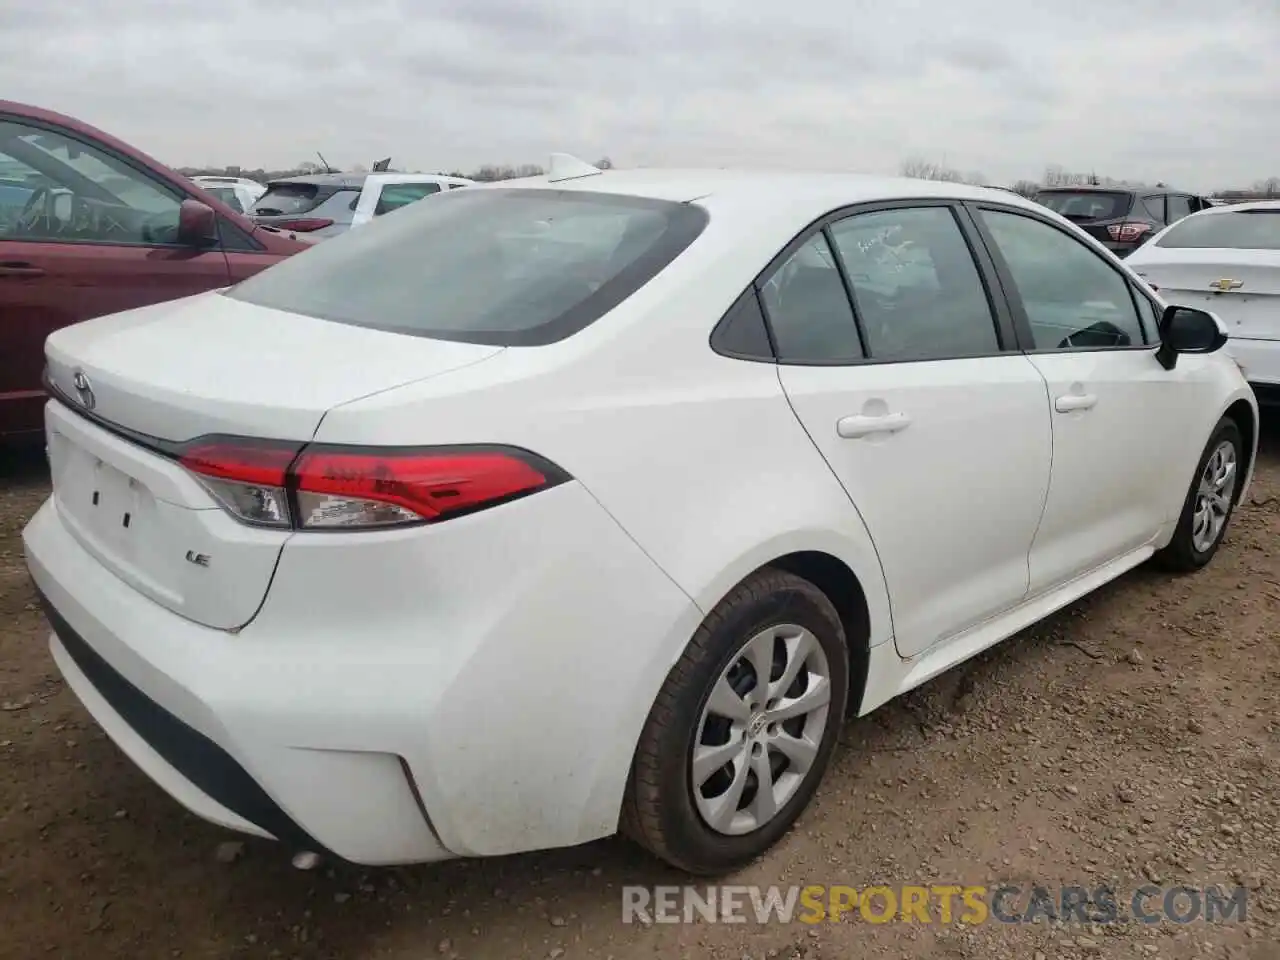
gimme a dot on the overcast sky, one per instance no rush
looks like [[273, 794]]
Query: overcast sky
[[1176, 90]]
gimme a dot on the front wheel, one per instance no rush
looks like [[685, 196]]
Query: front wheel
[[743, 727], [1210, 502]]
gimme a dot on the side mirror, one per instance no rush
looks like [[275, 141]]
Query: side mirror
[[1188, 330], [197, 225]]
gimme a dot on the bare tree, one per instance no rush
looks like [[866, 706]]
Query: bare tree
[[1269, 187], [1026, 188], [920, 169]]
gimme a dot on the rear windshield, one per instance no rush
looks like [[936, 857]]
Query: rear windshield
[[1082, 205], [1237, 230], [493, 266], [286, 198]]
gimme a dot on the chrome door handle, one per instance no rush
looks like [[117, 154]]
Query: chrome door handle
[[855, 427], [1075, 401]]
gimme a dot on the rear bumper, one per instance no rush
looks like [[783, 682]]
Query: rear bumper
[[410, 697], [1261, 362]]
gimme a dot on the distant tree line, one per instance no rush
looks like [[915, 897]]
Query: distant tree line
[[1057, 176], [488, 173], [918, 168]]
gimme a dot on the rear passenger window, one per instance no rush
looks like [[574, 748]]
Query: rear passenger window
[[809, 310], [915, 285], [1155, 207], [742, 332], [1179, 207]]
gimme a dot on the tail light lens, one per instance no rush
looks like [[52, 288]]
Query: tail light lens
[[246, 477], [319, 487], [303, 224], [1128, 232]]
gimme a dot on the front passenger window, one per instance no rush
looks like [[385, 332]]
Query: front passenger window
[[1074, 300], [81, 194]]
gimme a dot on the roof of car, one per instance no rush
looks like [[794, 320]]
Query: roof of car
[[806, 193], [1116, 188], [356, 180], [1244, 207]]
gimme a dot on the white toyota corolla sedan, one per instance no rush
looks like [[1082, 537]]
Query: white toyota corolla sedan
[[598, 501]]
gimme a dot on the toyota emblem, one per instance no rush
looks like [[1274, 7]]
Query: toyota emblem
[[84, 389]]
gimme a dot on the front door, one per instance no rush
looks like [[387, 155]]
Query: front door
[[83, 233], [1119, 418], [938, 432]]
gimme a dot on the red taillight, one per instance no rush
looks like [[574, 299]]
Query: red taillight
[[247, 477], [1128, 232], [343, 488], [303, 224]]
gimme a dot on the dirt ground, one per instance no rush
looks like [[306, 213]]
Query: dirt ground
[[1133, 738]]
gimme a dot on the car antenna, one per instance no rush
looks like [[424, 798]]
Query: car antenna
[[325, 163], [567, 167]]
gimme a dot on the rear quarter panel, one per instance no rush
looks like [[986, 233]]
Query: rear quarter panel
[[698, 457]]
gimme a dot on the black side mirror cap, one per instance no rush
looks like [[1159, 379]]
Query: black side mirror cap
[[1188, 330]]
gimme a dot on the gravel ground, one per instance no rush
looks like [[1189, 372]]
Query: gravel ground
[[1131, 739]]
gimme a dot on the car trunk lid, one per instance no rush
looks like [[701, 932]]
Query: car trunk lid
[[131, 389], [1240, 286]]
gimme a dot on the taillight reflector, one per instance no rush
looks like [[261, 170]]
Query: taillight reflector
[[1128, 232], [337, 487]]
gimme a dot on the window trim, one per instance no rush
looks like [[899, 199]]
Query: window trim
[[1157, 311], [1001, 316], [1022, 323]]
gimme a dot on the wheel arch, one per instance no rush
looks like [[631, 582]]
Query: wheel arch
[[1245, 417], [842, 587]]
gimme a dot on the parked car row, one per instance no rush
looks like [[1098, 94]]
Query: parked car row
[[326, 204]]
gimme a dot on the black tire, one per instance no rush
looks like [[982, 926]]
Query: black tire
[[659, 811], [1181, 555]]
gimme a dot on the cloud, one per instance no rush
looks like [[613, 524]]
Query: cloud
[[1157, 89]]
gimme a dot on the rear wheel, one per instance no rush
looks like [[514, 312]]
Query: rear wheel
[[1210, 502], [743, 727]]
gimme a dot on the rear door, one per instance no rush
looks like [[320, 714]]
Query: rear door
[[96, 235], [938, 431]]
